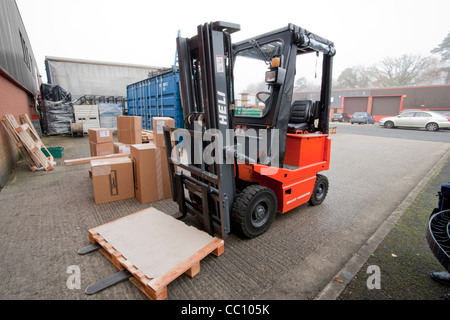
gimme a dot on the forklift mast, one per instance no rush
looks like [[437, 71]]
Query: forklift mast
[[205, 82], [206, 63]]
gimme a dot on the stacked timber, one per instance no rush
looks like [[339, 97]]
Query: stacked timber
[[27, 141]]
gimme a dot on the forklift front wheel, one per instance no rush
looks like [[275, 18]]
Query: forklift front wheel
[[254, 211], [320, 190]]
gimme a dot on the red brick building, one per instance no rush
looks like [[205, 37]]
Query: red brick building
[[19, 79]]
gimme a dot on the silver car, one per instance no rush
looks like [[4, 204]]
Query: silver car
[[432, 121]]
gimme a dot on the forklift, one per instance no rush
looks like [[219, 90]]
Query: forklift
[[268, 154]]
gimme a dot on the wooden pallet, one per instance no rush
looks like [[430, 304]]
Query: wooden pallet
[[147, 136], [156, 288], [27, 140], [332, 130]]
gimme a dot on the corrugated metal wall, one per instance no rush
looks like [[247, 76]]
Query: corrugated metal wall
[[16, 55], [158, 96]]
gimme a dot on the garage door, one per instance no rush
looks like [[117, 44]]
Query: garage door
[[355, 104], [386, 106]]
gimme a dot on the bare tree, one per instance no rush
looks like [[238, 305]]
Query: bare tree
[[303, 84], [353, 78], [407, 70]]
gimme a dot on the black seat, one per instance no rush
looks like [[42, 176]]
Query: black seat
[[301, 115]]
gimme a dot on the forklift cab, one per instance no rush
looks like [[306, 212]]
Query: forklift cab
[[266, 70], [241, 94]]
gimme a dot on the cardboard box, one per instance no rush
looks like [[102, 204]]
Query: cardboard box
[[151, 172], [100, 135], [112, 179], [120, 147], [129, 129], [101, 149], [158, 132]]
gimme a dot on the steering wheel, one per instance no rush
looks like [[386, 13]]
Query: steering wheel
[[258, 96]]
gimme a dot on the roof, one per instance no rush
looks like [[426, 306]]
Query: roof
[[106, 63]]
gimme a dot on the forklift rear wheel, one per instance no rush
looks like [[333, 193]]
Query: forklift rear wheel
[[320, 190], [254, 211]]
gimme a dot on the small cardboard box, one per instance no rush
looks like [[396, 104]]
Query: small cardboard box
[[120, 147], [101, 149], [100, 135], [129, 129], [151, 172], [158, 132], [112, 179]]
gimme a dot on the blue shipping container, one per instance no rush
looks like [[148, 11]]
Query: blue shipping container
[[158, 96]]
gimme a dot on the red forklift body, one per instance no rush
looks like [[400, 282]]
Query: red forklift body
[[306, 155]]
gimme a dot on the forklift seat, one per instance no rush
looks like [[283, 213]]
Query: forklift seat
[[301, 115]]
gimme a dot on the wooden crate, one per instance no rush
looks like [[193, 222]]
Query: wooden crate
[[154, 288]]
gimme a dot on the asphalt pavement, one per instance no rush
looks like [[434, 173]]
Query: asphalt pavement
[[46, 215]]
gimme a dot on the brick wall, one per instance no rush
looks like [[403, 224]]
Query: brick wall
[[13, 100]]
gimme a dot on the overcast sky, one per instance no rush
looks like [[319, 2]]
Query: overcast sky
[[144, 31]]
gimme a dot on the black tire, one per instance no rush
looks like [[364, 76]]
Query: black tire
[[389, 124], [254, 210], [432, 126], [320, 190]]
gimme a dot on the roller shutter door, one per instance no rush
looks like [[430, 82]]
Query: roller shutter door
[[355, 104], [386, 106]]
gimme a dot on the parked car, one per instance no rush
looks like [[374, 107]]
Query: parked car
[[341, 117], [445, 113], [362, 117], [432, 121], [411, 110]]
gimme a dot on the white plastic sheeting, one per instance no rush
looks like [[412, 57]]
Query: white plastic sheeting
[[84, 77], [108, 114]]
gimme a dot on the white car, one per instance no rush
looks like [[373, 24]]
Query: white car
[[432, 121]]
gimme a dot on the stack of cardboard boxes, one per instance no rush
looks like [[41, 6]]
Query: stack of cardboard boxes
[[129, 131], [101, 141], [152, 181], [144, 174]]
